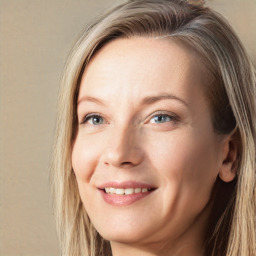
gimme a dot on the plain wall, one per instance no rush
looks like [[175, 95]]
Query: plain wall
[[35, 38]]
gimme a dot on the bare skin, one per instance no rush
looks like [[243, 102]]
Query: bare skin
[[143, 119]]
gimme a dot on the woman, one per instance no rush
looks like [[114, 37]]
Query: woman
[[156, 133]]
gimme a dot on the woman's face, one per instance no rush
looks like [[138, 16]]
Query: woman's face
[[146, 155]]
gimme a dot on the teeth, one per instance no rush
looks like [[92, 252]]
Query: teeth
[[129, 191], [137, 190], [112, 190], [125, 191], [120, 191]]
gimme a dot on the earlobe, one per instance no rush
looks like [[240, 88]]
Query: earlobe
[[229, 167]]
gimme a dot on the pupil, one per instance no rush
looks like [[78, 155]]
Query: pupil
[[96, 120], [160, 118]]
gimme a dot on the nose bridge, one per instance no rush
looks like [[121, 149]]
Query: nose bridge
[[123, 147]]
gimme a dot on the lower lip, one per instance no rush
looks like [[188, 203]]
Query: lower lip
[[123, 200]]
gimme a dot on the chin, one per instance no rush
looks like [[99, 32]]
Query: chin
[[123, 234]]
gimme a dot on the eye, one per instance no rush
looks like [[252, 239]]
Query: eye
[[162, 118], [93, 119]]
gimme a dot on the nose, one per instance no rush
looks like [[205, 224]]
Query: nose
[[124, 149]]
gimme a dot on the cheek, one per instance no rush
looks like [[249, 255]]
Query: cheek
[[84, 162], [84, 158], [187, 162]]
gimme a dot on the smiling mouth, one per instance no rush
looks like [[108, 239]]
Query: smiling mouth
[[126, 191]]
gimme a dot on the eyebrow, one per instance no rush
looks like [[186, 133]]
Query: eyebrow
[[90, 99], [152, 99], [145, 101]]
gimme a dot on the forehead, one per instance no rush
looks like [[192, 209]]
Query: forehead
[[143, 65]]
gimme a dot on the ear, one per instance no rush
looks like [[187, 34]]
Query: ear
[[229, 165]]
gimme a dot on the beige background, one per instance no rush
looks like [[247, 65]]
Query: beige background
[[35, 38]]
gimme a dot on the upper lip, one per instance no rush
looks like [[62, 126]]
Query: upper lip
[[126, 184]]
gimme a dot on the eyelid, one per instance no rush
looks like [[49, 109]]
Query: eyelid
[[173, 116], [88, 116]]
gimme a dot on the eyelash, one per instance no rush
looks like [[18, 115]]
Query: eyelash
[[173, 118], [89, 116]]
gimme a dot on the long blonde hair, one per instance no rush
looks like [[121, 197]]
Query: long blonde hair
[[232, 97]]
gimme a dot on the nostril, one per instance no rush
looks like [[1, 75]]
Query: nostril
[[127, 164], [125, 157]]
